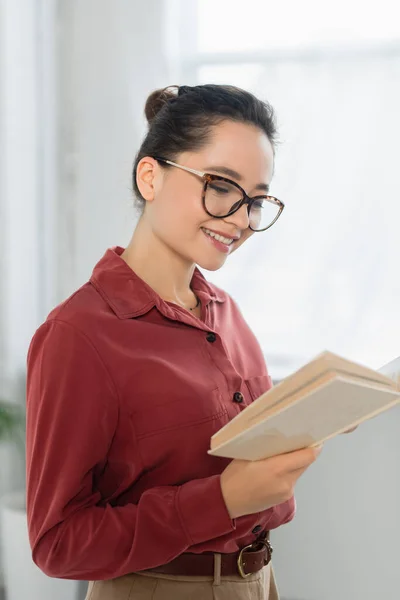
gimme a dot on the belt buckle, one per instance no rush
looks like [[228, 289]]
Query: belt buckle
[[240, 562]]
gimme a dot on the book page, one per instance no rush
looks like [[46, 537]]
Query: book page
[[324, 365], [392, 370], [331, 409]]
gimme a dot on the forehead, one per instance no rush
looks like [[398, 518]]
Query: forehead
[[241, 147]]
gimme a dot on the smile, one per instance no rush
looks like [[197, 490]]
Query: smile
[[219, 238]]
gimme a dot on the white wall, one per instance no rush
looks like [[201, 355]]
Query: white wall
[[113, 55], [20, 206], [344, 541], [74, 76], [19, 184]]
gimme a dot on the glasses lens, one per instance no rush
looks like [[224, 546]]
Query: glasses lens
[[263, 212], [221, 198]]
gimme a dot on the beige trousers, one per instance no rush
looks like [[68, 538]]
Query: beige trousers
[[156, 586]]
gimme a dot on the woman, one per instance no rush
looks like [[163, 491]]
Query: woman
[[131, 376]]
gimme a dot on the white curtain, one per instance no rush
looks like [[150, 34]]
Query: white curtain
[[325, 276]]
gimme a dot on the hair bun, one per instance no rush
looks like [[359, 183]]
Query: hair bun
[[158, 99]]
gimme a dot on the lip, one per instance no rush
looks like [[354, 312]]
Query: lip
[[220, 246], [224, 234]]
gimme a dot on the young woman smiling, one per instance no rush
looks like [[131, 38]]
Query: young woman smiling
[[130, 377]]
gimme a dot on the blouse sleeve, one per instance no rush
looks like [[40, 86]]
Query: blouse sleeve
[[72, 415]]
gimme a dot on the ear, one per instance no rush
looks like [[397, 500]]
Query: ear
[[146, 173]]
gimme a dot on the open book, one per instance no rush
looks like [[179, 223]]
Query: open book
[[322, 399]]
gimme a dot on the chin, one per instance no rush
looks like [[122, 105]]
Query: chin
[[211, 265]]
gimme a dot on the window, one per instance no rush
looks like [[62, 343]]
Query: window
[[325, 276]]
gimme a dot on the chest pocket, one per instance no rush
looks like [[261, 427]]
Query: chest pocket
[[160, 411], [258, 385]]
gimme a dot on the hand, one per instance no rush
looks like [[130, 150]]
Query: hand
[[251, 487]]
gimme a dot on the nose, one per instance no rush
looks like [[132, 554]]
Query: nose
[[239, 219]]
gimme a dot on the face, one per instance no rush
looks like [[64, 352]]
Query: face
[[174, 210]]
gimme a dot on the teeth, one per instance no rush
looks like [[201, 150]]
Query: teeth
[[218, 237]]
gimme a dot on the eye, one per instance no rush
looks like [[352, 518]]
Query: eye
[[220, 188], [258, 204]]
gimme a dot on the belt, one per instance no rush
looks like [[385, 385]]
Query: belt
[[248, 560]]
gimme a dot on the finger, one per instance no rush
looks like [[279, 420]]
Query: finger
[[301, 459], [297, 473]]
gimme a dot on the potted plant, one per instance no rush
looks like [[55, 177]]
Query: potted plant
[[21, 577]]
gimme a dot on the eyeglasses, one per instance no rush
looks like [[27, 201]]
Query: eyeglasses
[[222, 197]]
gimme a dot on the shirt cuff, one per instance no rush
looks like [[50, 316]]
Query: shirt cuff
[[202, 510]]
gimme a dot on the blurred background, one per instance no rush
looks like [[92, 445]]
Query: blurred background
[[74, 77]]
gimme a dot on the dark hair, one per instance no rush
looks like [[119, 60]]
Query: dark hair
[[180, 119]]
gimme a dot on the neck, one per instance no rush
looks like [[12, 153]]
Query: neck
[[159, 266]]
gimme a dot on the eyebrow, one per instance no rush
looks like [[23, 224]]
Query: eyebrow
[[264, 187]]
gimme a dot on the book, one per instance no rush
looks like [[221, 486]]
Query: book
[[324, 398]]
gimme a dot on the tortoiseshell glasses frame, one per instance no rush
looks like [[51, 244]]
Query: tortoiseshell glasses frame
[[245, 200]]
